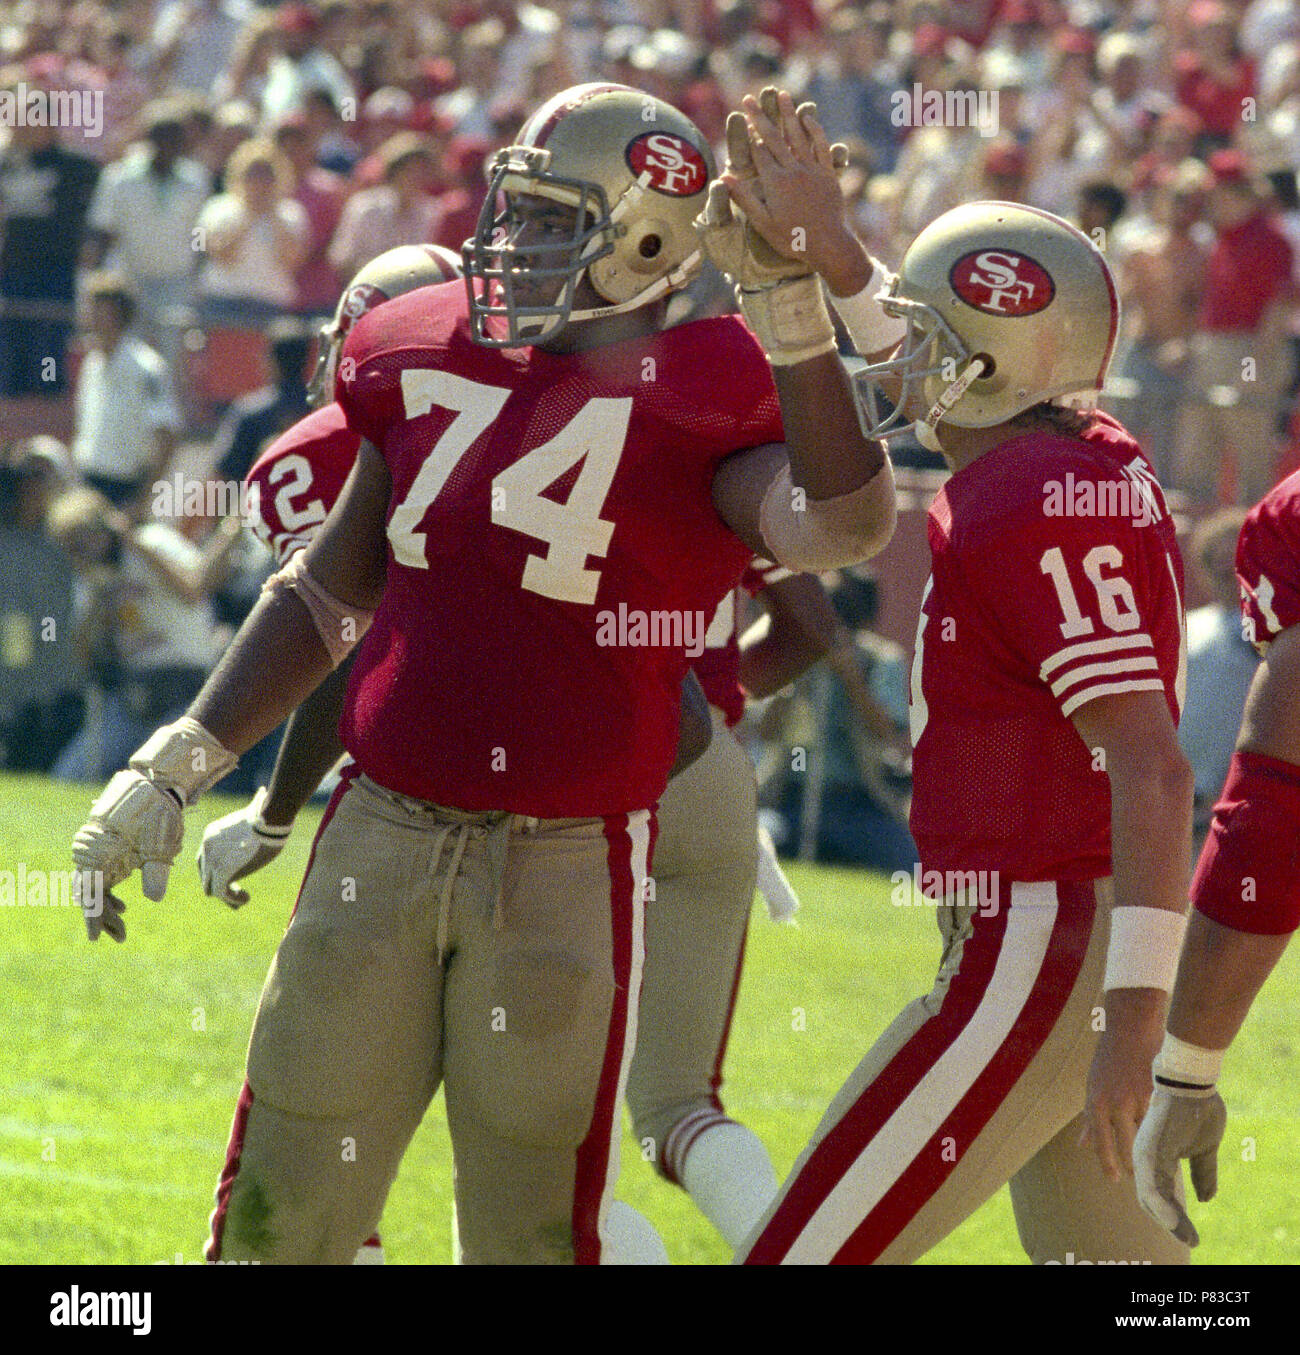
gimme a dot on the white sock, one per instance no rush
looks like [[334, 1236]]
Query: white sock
[[729, 1175], [630, 1239], [369, 1254]]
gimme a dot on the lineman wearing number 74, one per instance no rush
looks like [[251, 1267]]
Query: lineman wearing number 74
[[537, 454]]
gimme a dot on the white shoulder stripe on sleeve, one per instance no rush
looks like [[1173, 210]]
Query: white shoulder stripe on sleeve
[[1072, 703], [1138, 640], [1112, 668]]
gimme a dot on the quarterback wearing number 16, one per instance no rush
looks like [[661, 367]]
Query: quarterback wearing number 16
[[1051, 804]]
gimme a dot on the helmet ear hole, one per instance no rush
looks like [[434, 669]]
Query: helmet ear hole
[[650, 246], [989, 365]]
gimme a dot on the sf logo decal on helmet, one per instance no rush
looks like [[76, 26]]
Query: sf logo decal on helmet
[[1000, 283], [360, 299], [669, 163]]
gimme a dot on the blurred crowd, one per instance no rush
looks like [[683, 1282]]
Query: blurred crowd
[[221, 167]]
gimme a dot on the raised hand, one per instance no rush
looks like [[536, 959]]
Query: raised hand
[[784, 175]]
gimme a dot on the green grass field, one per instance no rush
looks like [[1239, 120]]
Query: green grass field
[[120, 1064]]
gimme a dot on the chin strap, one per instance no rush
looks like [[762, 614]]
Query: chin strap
[[670, 282], [926, 430]]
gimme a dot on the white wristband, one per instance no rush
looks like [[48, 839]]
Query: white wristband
[[1144, 947], [870, 328], [1186, 1063], [273, 834]]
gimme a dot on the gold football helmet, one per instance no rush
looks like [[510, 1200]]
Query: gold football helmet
[[631, 173], [1007, 306], [390, 274]]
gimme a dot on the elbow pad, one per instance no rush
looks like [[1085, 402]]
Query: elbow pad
[[1248, 876], [828, 533], [339, 624]]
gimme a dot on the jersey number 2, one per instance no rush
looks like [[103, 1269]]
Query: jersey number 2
[[572, 530]]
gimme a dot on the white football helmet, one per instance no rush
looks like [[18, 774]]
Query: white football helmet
[[1007, 306], [387, 275], [632, 171]]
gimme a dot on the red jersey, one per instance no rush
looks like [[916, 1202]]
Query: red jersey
[[294, 483], [1249, 269], [553, 552], [718, 668], [1268, 564], [1056, 580]]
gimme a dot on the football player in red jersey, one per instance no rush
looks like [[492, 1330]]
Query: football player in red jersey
[[550, 488], [1051, 802], [1246, 887], [706, 849]]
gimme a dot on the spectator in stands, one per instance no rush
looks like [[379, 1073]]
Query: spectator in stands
[[300, 63], [1241, 364], [142, 223], [459, 206], [1004, 172], [145, 627], [1214, 78], [126, 90], [126, 414], [1126, 101], [1162, 277], [1019, 44], [255, 237], [246, 74], [40, 698], [257, 418], [466, 107], [400, 211], [233, 123], [853, 80], [194, 41], [321, 194], [1101, 204], [336, 150], [1072, 144], [45, 192], [1221, 663]]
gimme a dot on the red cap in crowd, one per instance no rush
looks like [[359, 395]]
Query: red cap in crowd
[[465, 156], [1202, 13], [1006, 160], [1229, 166], [929, 40], [1020, 12], [298, 19], [1075, 40]]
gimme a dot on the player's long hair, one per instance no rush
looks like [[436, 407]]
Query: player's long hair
[[1070, 423]]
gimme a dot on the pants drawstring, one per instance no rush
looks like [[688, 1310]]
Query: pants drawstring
[[462, 831], [497, 846]]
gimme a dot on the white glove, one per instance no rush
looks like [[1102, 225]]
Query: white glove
[[780, 298], [136, 822], [782, 902], [1179, 1123], [235, 846]]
